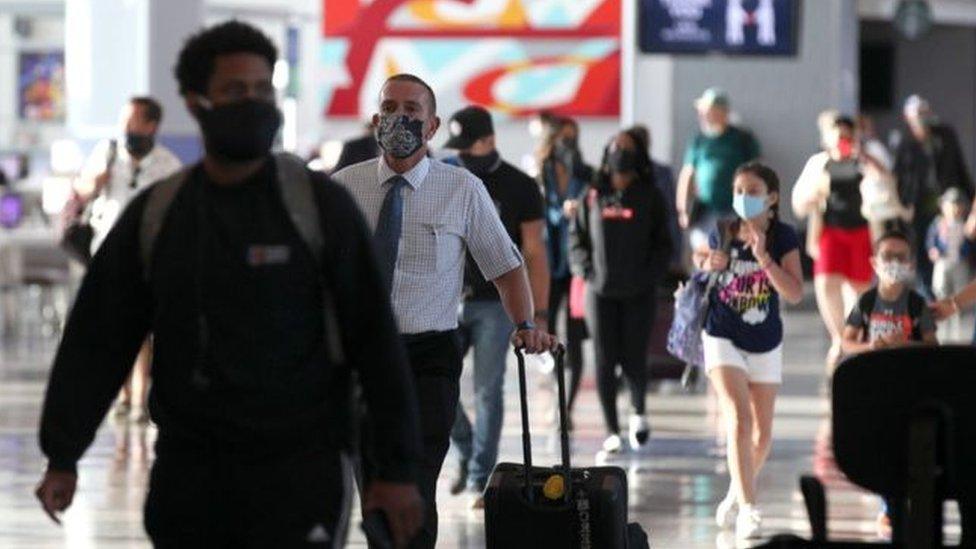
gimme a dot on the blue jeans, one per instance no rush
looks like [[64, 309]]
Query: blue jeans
[[485, 327]]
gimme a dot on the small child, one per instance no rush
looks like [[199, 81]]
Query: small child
[[949, 250], [891, 314]]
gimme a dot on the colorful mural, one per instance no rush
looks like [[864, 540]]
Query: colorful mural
[[515, 57]]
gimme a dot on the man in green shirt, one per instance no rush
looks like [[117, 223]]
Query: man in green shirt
[[712, 156]]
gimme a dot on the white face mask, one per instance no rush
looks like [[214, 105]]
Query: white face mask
[[895, 272]]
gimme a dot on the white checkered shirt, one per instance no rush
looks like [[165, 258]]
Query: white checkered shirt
[[446, 211]]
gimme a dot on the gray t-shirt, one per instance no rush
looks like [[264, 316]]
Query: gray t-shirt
[[890, 317]]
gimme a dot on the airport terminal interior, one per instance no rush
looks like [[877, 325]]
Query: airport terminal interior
[[702, 98]]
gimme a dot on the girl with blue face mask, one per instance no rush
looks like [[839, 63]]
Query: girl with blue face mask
[[743, 335]]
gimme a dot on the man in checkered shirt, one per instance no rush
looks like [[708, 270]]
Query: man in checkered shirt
[[425, 215]]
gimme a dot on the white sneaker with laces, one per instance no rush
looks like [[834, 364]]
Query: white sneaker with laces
[[613, 444], [640, 431], [748, 522], [725, 513]]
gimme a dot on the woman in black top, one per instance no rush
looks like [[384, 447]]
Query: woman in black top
[[619, 243], [842, 268]]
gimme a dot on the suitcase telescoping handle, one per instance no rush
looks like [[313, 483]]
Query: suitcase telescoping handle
[[558, 354]]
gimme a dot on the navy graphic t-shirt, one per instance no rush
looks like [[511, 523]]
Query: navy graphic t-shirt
[[744, 307]]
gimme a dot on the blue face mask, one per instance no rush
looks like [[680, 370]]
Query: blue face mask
[[748, 206]]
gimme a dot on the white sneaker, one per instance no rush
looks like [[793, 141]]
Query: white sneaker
[[748, 522], [640, 431], [725, 513], [613, 444]]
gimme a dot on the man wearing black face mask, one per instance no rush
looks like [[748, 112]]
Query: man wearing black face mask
[[119, 168], [259, 282], [485, 327], [928, 161], [114, 173]]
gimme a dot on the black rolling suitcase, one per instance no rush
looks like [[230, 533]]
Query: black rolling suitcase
[[537, 508]]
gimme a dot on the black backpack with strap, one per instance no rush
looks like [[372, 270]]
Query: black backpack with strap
[[916, 306], [295, 186]]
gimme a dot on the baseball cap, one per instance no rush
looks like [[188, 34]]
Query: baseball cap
[[713, 97], [467, 126]]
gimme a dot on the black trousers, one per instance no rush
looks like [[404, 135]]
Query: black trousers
[[572, 331], [620, 328], [211, 500], [435, 359]]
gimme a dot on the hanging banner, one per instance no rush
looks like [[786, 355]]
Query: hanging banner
[[753, 27], [515, 57]]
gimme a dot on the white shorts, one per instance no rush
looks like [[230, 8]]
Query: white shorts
[[759, 367]]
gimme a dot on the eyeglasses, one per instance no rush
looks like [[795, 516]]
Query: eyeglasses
[[901, 258]]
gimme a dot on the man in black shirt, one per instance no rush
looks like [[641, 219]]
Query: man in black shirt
[[259, 325], [484, 325], [928, 161]]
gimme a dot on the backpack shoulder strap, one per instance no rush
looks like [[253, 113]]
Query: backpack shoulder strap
[[161, 196], [295, 186], [916, 304], [916, 307], [866, 305]]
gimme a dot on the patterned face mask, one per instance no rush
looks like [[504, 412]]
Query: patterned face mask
[[895, 272], [400, 136]]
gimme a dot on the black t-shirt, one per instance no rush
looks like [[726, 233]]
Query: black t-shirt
[[518, 200], [261, 285], [844, 202]]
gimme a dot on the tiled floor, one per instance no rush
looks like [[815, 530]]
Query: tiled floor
[[674, 484]]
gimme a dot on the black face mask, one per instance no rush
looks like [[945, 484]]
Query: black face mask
[[622, 161], [480, 164], [240, 131], [569, 142], [138, 144], [564, 155]]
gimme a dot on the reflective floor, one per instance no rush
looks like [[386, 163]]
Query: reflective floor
[[674, 484]]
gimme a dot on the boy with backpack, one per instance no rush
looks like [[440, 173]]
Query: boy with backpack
[[892, 314]]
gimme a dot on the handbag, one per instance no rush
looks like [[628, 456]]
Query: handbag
[[691, 301], [690, 312], [76, 240]]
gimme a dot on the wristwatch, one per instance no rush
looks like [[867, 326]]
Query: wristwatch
[[525, 325]]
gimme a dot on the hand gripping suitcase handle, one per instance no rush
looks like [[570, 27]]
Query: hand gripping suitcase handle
[[559, 355]]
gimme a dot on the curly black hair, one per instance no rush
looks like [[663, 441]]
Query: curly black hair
[[195, 64]]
